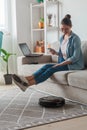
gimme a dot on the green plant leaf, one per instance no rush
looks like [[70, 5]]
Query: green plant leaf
[[3, 51], [5, 56], [42, 20]]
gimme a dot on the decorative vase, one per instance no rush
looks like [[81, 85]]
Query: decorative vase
[[41, 25], [49, 19], [39, 47]]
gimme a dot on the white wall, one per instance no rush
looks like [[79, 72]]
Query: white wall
[[78, 10], [23, 20]]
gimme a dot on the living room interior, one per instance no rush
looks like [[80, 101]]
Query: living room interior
[[37, 23]]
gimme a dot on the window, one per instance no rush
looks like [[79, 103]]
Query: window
[[2, 14]]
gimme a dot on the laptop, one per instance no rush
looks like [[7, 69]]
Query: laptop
[[26, 51]]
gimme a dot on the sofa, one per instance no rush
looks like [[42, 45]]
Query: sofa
[[68, 84]]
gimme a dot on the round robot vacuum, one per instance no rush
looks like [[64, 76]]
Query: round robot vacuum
[[52, 101]]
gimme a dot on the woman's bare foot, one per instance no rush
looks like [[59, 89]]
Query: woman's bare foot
[[22, 82], [30, 77], [31, 80]]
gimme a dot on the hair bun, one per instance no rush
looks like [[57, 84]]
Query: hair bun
[[68, 16]]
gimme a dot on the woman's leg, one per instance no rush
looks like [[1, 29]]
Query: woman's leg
[[46, 74], [39, 72], [23, 83], [43, 69], [49, 72]]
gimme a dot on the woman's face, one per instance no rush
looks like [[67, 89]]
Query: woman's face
[[65, 29]]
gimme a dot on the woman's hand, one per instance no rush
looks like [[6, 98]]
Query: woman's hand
[[52, 51], [62, 63], [56, 65]]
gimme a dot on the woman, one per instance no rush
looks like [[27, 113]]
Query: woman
[[69, 57]]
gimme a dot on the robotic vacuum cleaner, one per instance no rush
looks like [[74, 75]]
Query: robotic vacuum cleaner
[[52, 101]]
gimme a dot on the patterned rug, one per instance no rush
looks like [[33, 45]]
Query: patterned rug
[[19, 110]]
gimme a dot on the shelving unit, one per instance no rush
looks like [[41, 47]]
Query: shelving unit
[[48, 34], [36, 29]]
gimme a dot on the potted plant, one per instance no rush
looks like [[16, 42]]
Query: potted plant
[[41, 23], [5, 56]]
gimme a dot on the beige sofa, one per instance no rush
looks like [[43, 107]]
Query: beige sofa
[[69, 84]]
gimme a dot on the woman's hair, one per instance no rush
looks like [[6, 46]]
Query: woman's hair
[[67, 20]]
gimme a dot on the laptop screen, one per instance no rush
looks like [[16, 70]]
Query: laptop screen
[[24, 48]]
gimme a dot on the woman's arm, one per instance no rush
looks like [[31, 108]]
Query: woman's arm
[[62, 63], [77, 50]]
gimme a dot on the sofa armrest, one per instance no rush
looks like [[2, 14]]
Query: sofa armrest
[[30, 60], [26, 66], [54, 58]]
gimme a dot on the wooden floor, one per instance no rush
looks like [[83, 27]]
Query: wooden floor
[[73, 124]]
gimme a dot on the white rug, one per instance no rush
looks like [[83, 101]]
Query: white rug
[[19, 110]]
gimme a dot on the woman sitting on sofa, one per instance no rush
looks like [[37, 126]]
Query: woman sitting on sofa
[[69, 58]]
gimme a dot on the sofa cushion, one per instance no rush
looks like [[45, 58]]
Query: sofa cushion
[[84, 51], [78, 79], [61, 77]]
